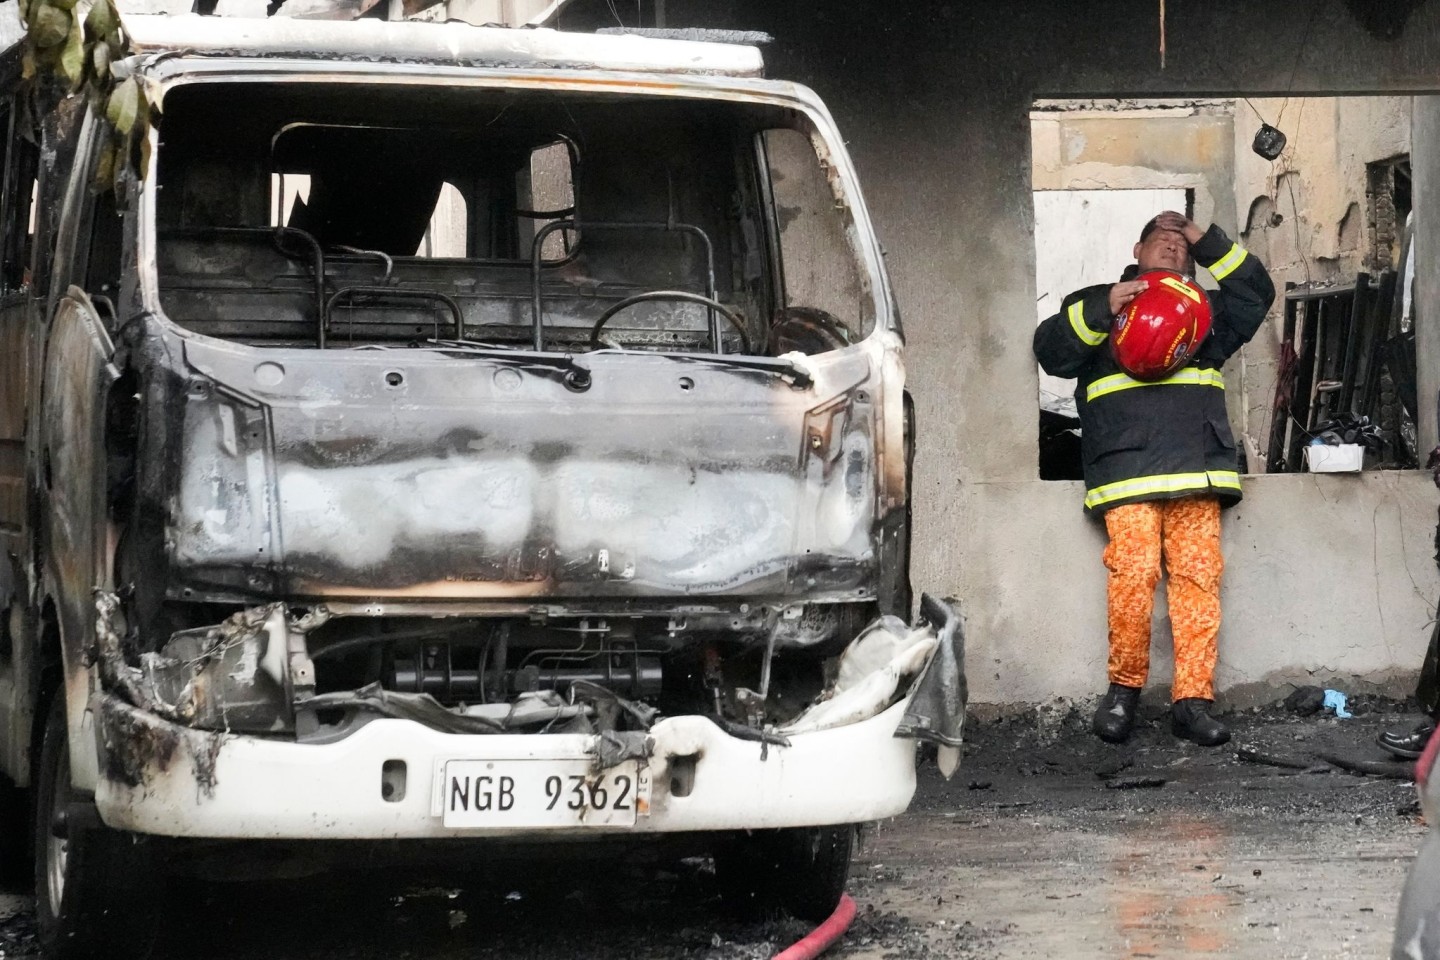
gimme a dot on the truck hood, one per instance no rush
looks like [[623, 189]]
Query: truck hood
[[423, 474]]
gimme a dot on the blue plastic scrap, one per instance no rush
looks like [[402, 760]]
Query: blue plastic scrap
[[1335, 700]]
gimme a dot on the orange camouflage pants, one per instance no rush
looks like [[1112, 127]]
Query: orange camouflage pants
[[1187, 531]]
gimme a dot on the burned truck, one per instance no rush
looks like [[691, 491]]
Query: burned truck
[[495, 439]]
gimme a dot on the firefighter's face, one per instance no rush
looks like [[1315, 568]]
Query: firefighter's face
[[1163, 250]]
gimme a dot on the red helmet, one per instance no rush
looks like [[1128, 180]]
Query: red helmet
[[1163, 326]]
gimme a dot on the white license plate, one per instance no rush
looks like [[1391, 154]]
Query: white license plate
[[543, 793]]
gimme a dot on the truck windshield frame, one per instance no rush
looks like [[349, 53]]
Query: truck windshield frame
[[435, 313]]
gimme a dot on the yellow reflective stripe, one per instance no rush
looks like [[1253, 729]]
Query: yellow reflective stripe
[[1224, 478], [1077, 323], [1226, 265], [1163, 483], [1190, 376]]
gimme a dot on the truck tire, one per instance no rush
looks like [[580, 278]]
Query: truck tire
[[94, 890], [801, 871]]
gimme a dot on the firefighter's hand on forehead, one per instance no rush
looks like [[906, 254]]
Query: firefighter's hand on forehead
[[1178, 223]]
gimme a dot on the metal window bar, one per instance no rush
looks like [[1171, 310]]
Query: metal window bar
[[1332, 351], [278, 235], [537, 324], [371, 294]]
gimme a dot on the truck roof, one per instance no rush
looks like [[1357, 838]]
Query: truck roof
[[450, 43]]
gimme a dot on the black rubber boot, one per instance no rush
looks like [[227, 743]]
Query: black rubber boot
[[1116, 714], [1408, 745], [1191, 720]]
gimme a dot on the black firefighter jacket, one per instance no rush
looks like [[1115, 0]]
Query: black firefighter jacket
[[1170, 438]]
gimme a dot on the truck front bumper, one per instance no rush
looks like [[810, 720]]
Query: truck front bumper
[[162, 778]]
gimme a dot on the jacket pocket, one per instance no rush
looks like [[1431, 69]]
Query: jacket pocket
[[1218, 438], [1112, 442]]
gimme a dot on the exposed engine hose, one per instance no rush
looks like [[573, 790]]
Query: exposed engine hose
[[823, 937]]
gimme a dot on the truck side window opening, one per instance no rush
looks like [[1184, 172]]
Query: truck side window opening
[[17, 183], [547, 186], [446, 234], [103, 259], [286, 190], [8, 154], [21, 161], [357, 186], [823, 296]]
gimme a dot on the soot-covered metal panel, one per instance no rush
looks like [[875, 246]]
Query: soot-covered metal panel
[[410, 473]]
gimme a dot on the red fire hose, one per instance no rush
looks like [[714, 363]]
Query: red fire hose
[[823, 937]]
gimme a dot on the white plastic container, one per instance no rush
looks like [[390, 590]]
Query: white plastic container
[[1340, 458]]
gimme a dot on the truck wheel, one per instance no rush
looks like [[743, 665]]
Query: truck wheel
[[94, 894], [801, 870]]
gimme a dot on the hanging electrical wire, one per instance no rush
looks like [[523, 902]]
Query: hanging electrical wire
[[1162, 34]]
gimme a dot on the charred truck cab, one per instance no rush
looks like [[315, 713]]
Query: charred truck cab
[[502, 440]]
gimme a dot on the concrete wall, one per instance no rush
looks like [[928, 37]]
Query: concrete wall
[[1332, 584], [934, 101], [1318, 187], [1323, 234], [1089, 145]]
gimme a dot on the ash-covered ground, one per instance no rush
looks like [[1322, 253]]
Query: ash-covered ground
[[1047, 843]]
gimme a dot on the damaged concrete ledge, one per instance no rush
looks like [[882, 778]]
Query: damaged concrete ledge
[[1266, 692], [1328, 578]]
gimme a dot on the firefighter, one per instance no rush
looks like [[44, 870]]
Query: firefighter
[[1160, 463]]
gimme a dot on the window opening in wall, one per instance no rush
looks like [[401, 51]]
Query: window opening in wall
[[1330, 218], [1109, 218]]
